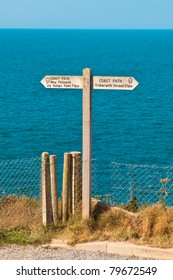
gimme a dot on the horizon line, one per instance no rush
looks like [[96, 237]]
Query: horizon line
[[57, 28]]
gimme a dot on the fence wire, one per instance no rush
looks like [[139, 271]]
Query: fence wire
[[124, 184], [20, 177], [20, 192], [127, 185]]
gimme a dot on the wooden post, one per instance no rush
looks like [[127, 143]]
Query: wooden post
[[65, 187], [46, 192], [76, 178], [54, 188], [87, 143]]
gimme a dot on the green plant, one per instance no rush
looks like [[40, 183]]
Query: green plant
[[26, 236], [133, 205]]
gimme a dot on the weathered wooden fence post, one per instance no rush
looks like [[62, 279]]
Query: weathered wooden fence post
[[76, 188], [46, 191], [66, 186], [54, 188]]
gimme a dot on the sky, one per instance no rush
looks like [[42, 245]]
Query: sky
[[87, 14]]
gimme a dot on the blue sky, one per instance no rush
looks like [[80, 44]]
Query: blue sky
[[116, 14]]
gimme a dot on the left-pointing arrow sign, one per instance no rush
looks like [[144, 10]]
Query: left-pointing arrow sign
[[68, 82]]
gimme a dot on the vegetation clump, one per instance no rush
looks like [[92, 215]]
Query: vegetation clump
[[20, 223]]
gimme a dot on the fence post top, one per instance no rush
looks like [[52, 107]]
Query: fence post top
[[75, 153], [52, 159], [52, 155], [45, 154]]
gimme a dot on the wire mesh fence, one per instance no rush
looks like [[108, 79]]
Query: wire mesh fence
[[131, 186], [20, 192], [21, 177], [125, 184]]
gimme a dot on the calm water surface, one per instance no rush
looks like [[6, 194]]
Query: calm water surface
[[128, 126]]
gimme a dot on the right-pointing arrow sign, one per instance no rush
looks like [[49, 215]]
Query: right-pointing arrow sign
[[114, 83]]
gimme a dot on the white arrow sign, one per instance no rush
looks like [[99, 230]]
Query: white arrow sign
[[68, 82], [114, 83], [99, 82]]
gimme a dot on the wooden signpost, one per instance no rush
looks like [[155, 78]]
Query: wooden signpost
[[87, 82]]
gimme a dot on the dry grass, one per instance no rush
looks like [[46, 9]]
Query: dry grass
[[20, 219], [151, 225], [19, 212]]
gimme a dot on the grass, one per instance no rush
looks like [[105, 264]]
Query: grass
[[19, 212], [20, 223], [152, 225], [25, 236]]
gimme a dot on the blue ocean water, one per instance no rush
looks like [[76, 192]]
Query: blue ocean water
[[128, 126]]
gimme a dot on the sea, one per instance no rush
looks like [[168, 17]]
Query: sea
[[128, 127]]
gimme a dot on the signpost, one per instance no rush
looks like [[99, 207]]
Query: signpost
[[87, 82], [68, 82], [114, 83]]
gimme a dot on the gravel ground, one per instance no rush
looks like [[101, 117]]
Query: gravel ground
[[14, 252]]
